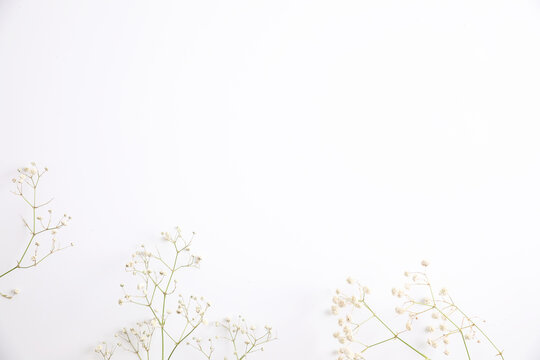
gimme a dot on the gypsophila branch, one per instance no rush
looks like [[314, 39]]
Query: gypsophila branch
[[105, 351], [157, 275], [40, 226], [243, 338], [449, 319]]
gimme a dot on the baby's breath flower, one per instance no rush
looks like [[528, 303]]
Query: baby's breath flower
[[155, 285], [450, 320], [41, 226]]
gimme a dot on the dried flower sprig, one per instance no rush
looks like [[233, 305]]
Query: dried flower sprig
[[39, 226], [105, 351], [450, 320], [136, 339], [158, 281], [244, 339]]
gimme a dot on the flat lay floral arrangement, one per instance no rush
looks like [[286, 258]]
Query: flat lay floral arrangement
[[176, 320]]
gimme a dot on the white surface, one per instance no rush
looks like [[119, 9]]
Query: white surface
[[302, 140]]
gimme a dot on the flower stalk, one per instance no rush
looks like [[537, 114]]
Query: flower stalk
[[418, 301], [39, 226], [158, 274]]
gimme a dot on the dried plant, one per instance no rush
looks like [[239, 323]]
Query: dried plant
[[446, 320], [244, 339], [176, 321], [41, 224]]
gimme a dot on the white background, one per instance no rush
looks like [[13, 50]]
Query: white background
[[304, 141]]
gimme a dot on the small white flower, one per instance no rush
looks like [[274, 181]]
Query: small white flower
[[443, 292]]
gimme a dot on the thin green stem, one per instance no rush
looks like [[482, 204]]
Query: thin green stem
[[10, 270], [182, 339], [396, 336], [378, 343], [448, 318], [164, 302], [247, 352], [31, 238], [499, 352]]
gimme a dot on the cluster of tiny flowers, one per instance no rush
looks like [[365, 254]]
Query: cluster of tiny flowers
[[136, 340], [43, 226], [447, 319], [421, 300], [343, 307], [244, 339], [105, 351], [157, 282]]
